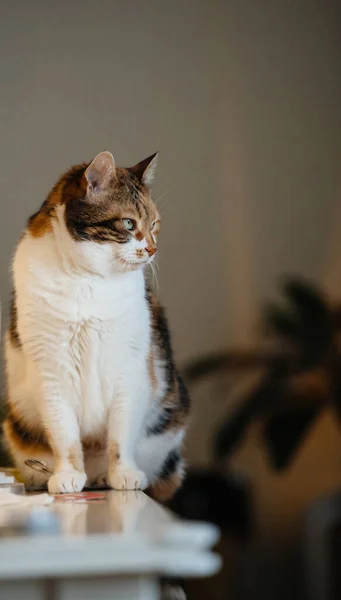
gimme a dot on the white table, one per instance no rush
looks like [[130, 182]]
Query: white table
[[113, 549]]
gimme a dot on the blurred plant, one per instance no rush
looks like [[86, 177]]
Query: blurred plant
[[301, 375]]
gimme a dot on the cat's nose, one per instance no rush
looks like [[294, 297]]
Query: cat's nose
[[151, 250]]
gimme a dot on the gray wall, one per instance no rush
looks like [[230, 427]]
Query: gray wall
[[242, 98]]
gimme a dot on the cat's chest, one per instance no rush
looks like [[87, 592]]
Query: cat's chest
[[93, 342], [91, 300], [104, 328], [101, 353], [90, 303], [103, 323]]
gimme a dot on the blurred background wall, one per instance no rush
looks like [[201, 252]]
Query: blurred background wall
[[243, 100]]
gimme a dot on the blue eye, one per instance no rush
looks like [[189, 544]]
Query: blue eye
[[128, 224]]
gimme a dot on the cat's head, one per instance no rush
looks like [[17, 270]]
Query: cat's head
[[107, 211]]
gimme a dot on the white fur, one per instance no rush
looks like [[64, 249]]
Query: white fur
[[82, 369]]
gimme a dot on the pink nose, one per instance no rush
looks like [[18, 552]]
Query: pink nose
[[151, 251]]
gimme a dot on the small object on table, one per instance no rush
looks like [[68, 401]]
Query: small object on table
[[12, 488], [4, 478], [38, 465], [9, 484]]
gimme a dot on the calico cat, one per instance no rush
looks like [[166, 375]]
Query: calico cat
[[92, 388]]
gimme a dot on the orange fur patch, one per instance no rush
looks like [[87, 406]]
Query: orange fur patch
[[114, 453], [75, 457], [32, 446], [164, 489], [96, 444], [40, 224], [35, 440]]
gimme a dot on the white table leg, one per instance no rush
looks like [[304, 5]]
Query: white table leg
[[24, 590], [108, 588], [96, 588]]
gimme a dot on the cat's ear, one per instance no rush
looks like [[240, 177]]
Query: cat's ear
[[100, 172], [145, 170]]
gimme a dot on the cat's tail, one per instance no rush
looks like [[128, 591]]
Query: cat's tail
[[170, 591], [170, 479]]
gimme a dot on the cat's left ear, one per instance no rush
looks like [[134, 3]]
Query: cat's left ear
[[100, 172], [145, 170]]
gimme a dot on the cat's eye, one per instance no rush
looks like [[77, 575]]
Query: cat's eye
[[128, 224], [153, 224]]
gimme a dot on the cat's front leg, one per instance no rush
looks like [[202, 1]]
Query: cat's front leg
[[63, 432], [125, 421], [49, 375], [69, 475]]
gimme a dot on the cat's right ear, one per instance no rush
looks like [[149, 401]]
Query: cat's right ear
[[100, 172]]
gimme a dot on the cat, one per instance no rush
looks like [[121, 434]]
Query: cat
[[92, 388]]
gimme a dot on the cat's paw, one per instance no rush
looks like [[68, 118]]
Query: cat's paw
[[127, 478], [66, 482]]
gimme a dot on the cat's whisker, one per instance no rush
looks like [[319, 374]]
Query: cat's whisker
[[121, 270], [154, 274], [121, 266], [160, 198]]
